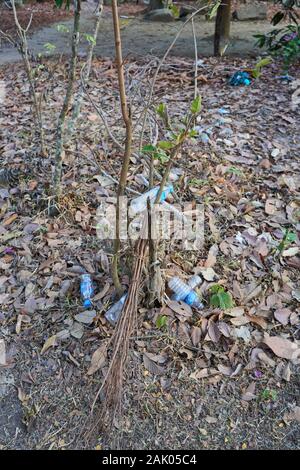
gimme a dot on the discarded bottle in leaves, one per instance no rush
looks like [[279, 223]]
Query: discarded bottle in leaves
[[240, 78], [113, 314], [185, 292], [86, 290], [139, 204]]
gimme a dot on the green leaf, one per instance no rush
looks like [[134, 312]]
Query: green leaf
[[214, 9], [196, 105], [175, 10], [49, 46], [162, 156], [193, 133], [90, 39], [161, 321], [164, 144], [220, 298], [216, 288], [149, 148], [61, 28], [161, 110]]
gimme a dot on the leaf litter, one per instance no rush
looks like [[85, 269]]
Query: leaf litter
[[251, 197]]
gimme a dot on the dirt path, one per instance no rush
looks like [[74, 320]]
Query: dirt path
[[139, 37]]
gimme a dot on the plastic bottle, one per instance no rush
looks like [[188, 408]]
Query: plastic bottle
[[194, 281], [112, 315], [86, 290], [139, 204], [185, 292], [240, 78]]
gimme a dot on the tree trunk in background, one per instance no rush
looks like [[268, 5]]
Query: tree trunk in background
[[222, 29], [156, 4]]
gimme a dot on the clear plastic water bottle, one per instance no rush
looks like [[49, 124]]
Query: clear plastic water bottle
[[185, 292], [194, 281], [113, 314], [139, 204], [86, 290]]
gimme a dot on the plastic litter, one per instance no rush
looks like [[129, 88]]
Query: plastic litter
[[139, 204], [240, 78], [185, 291], [286, 78], [113, 314], [204, 138], [86, 289], [223, 111]]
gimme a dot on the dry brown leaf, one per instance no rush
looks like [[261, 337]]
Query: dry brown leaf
[[9, 220], [249, 392], [293, 415], [207, 273], [225, 370], [50, 342], [235, 312], [214, 332], [199, 374], [98, 359], [270, 206], [262, 356], [180, 308], [260, 321], [238, 321], [282, 315], [196, 335], [286, 373], [103, 292], [151, 366], [282, 347], [212, 256]]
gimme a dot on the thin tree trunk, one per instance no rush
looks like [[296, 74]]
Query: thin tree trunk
[[128, 141], [23, 49], [62, 117], [88, 66], [222, 28]]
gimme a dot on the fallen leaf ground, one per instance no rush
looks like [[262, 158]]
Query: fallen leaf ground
[[42, 14], [206, 380]]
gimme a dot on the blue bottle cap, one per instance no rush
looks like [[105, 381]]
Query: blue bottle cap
[[191, 298], [87, 303]]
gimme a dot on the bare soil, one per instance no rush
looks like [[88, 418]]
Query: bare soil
[[139, 37]]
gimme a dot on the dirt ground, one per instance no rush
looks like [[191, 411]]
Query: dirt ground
[[46, 397], [140, 37]]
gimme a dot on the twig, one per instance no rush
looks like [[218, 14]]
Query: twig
[[158, 69], [196, 60], [126, 113]]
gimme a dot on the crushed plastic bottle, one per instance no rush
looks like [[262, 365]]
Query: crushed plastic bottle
[[86, 290], [240, 78], [113, 314], [139, 204], [185, 292], [223, 111]]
